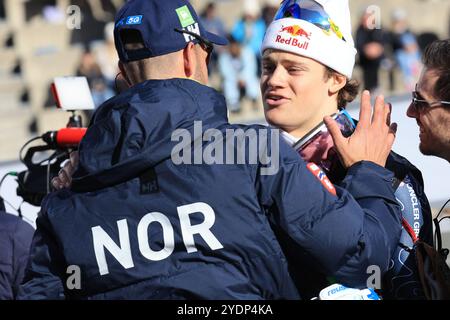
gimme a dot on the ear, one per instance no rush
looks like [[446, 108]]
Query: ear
[[124, 73], [337, 81], [189, 60]]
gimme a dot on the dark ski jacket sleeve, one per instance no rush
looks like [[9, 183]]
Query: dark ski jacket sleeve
[[343, 233], [45, 271], [15, 240]]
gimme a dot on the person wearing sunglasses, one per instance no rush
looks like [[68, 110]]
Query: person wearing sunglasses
[[307, 63], [430, 105]]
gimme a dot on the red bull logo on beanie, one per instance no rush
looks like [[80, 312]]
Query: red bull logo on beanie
[[295, 33]]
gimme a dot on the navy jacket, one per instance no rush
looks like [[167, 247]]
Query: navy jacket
[[140, 226], [402, 280], [15, 241]]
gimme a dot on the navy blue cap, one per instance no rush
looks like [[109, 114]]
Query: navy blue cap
[[156, 21]]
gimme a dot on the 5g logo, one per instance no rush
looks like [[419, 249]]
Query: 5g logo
[[73, 20], [134, 20]]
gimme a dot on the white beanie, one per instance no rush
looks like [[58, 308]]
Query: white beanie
[[304, 38]]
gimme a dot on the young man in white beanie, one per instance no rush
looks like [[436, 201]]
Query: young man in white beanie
[[307, 63]]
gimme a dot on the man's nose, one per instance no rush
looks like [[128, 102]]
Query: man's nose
[[276, 79], [411, 111]]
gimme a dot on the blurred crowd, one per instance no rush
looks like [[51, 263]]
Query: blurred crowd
[[394, 48], [234, 70]]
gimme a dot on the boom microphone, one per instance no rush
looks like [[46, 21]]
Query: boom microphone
[[63, 138]]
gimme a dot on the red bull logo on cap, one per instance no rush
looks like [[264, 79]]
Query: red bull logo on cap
[[296, 31]]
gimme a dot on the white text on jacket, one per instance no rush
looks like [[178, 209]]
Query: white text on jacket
[[122, 252]]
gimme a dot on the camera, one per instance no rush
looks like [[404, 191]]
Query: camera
[[71, 94]]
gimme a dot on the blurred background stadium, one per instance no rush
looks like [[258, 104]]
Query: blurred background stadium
[[41, 39]]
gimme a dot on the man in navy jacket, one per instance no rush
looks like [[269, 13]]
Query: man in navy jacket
[[146, 218]]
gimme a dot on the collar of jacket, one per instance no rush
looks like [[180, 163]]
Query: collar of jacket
[[133, 131]]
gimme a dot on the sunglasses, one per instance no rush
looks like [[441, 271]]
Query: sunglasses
[[422, 104], [317, 145], [311, 11], [204, 43]]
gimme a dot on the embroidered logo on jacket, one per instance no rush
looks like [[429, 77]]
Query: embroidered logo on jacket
[[315, 169]]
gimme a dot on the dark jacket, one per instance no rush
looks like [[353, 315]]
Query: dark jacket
[[140, 226], [15, 241], [401, 281]]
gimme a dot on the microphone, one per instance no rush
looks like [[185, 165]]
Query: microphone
[[64, 138]]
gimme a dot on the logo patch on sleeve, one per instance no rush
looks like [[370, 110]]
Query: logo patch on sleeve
[[319, 174]]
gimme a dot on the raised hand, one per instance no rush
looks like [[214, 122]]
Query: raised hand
[[373, 137]]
